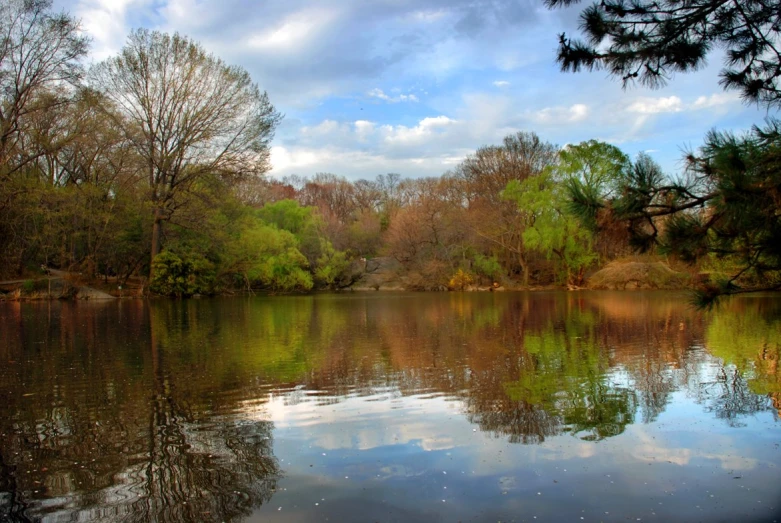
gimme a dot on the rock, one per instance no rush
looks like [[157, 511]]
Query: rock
[[390, 288], [88, 293]]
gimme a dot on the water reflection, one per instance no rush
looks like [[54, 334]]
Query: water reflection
[[102, 422], [165, 411]]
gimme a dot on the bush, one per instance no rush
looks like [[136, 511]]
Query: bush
[[174, 276], [460, 280], [488, 267]]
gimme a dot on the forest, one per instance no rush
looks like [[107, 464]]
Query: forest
[[152, 167]]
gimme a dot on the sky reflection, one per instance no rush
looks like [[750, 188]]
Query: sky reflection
[[447, 407]]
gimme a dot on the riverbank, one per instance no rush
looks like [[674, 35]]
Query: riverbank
[[383, 277]]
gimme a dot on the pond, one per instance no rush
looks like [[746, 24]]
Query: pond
[[547, 406]]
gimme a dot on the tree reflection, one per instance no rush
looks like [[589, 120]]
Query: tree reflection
[[566, 374], [128, 433], [599, 411], [729, 397], [747, 337], [12, 507], [519, 421], [155, 411]]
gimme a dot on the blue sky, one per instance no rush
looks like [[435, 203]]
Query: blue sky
[[376, 86]]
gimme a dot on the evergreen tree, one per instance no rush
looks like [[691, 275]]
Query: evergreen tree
[[649, 40], [727, 206], [727, 209]]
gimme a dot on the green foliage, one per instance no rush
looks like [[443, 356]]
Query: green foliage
[[290, 216], [211, 120], [487, 266], [329, 266], [592, 172], [175, 276], [650, 40], [303, 222], [551, 230], [266, 256], [332, 265], [597, 165], [727, 208], [639, 189]]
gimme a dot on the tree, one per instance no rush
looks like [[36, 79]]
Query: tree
[[552, 230], [649, 40], [596, 166], [595, 169], [302, 222], [725, 208], [426, 234], [40, 56], [174, 276], [38, 51], [267, 256], [188, 115], [726, 205], [330, 266], [485, 174]]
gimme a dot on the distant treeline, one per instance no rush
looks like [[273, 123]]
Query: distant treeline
[[152, 164]]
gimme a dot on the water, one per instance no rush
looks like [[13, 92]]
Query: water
[[391, 407]]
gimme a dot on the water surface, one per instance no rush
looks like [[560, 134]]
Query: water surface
[[391, 407]]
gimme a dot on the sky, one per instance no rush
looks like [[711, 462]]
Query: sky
[[370, 87]]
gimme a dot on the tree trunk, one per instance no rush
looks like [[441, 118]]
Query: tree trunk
[[522, 261], [525, 269], [157, 226]]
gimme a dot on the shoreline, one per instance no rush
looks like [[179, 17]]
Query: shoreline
[[626, 275], [90, 294]]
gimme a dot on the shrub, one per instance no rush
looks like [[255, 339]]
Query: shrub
[[460, 280], [487, 266], [174, 276]]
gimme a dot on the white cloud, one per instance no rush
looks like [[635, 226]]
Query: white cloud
[[557, 115], [364, 129], [426, 128], [104, 21], [289, 160], [294, 32], [670, 104], [715, 100], [674, 104], [378, 93], [320, 62], [354, 164], [324, 128], [427, 16]]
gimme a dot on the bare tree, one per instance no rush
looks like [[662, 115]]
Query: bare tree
[[38, 51], [189, 115]]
